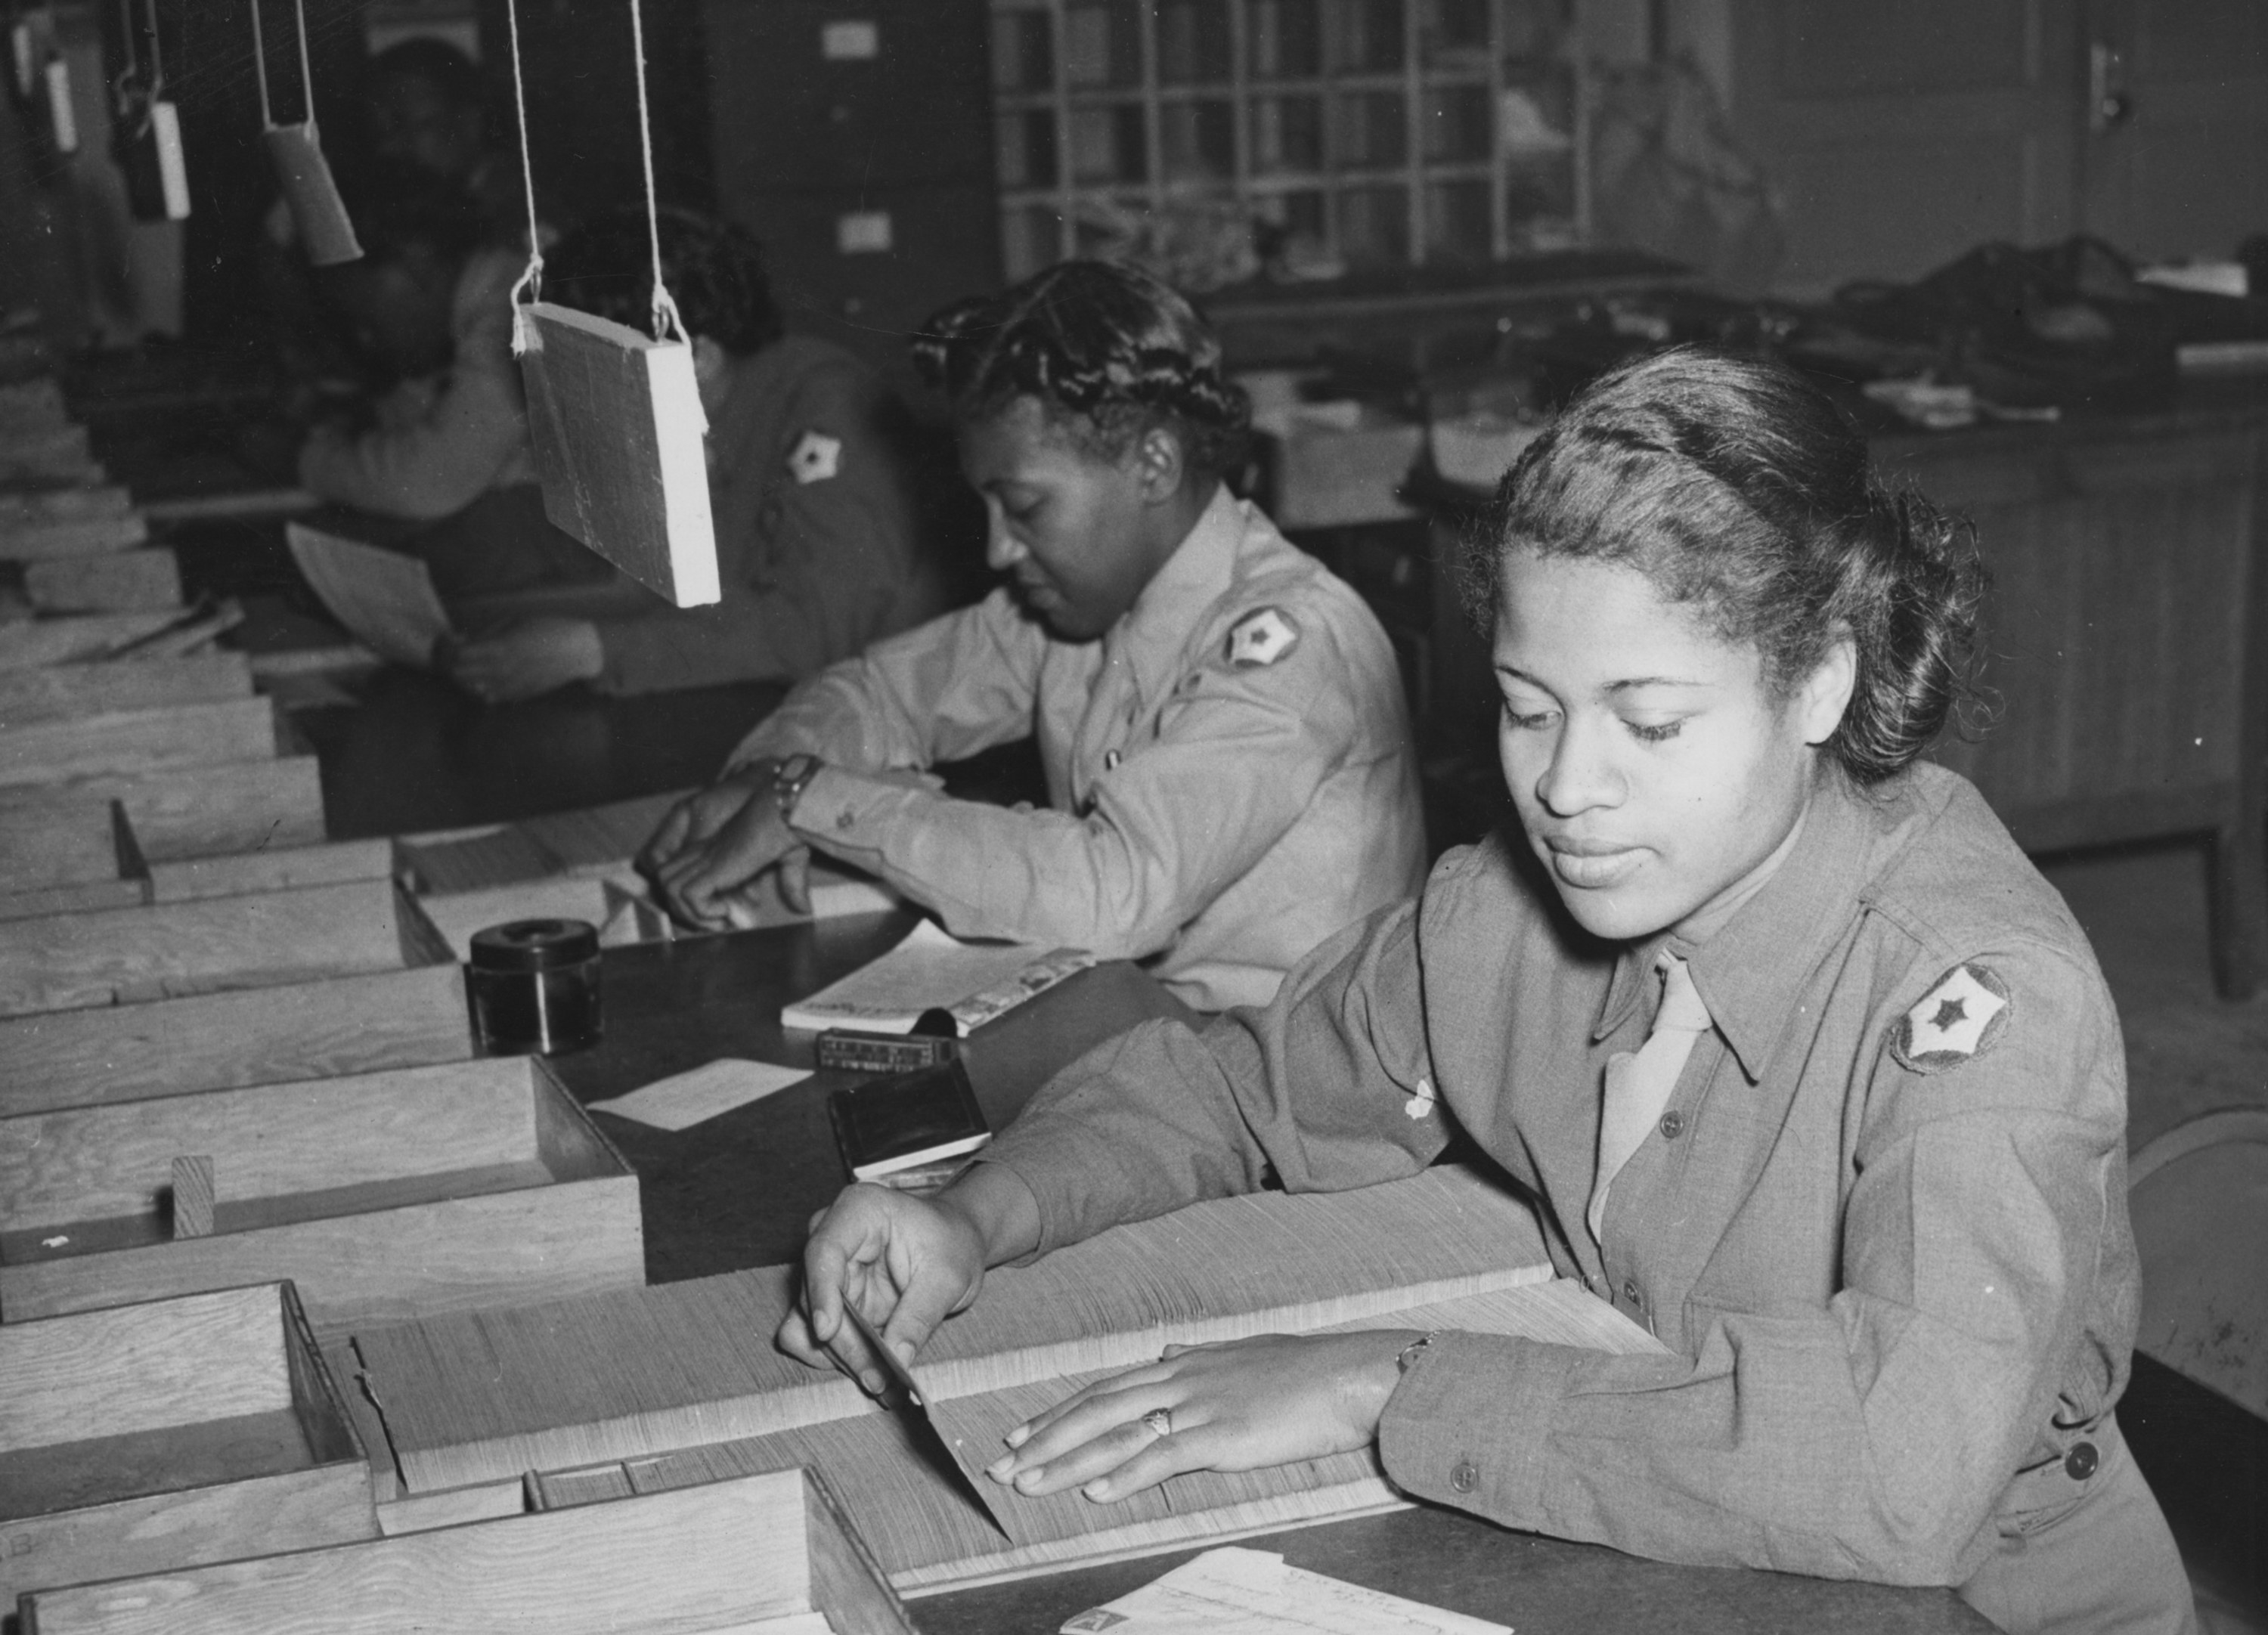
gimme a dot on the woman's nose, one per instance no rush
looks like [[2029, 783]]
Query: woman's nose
[[1580, 776], [1002, 550]]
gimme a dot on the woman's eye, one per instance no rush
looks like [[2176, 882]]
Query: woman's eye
[[1659, 734], [1525, 721]]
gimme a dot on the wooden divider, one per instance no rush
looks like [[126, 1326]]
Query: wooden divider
[[82, 689], [156, 1436], [66, 962], [769, 1555], [138, 741], [385, 1197]]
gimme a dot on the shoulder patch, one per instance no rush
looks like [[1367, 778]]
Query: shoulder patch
[[1959, 1020], [815, 457], [1261, 638]]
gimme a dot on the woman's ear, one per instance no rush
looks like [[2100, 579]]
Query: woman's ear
[[1825, 693], [1161, 464]]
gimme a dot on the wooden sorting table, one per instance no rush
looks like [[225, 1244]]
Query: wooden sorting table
[[736, 1191]]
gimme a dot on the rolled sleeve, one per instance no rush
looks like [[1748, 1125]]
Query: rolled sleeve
[[1235, 765], [942, 691]]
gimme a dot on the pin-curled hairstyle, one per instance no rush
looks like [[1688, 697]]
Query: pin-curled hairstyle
[[1108, 349], [1741, 490], [713, 269]]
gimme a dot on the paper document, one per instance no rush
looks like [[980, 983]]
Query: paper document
[[617, 907], [1251, 1592], [386, 599], [933, 969], [684, 1099]]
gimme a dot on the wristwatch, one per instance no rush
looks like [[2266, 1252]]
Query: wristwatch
[[789, 779]]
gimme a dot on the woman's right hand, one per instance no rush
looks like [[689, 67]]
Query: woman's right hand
[[909, 1262], [693, 820], [713, 845]]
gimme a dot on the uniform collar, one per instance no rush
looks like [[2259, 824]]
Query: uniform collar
[[1155, 630], [1749, 970]]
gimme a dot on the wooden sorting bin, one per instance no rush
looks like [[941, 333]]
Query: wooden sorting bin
[[384, 1196], [85, 689], [138, 741], [122, 956], [63, 857], [159, 1436], [206, 811], [766, 1555], [222, 1040]]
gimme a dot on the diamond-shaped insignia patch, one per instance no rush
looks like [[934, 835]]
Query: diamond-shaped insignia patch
[[816, 457], [1957, 1021], [1261, 638]]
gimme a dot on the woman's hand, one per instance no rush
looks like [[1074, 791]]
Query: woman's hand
[[1244, 1406], [909, 1262], [533, 657], [713, 844]]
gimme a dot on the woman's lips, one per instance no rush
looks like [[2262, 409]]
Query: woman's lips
[[1590, 865]]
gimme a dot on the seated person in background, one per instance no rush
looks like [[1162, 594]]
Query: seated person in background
[[1809, 1073], [1230, 772], [432, 296], [820, 542]]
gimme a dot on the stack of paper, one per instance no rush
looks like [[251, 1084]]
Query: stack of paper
[[933, 970]]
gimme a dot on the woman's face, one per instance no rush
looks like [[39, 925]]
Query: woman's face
[[1652, 769], [1081, 534]]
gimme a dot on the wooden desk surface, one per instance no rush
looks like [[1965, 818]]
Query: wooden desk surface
[[736, 1191], [1538, 1586]]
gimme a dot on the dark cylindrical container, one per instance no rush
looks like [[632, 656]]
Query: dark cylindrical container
[[536, 987]]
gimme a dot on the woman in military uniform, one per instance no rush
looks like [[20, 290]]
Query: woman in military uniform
[[1809, 1072], [1231, 777]]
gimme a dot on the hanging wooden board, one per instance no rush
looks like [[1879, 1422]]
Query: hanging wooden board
[[85, 689], [69, 961], [616, 421], [344, 1025], [769, 1555], [162, 1436], [325, 230], [196, 811], [386, 1197]]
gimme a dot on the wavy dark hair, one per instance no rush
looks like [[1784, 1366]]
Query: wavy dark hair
[[1739, 489], [713, 269], [1110, 350]]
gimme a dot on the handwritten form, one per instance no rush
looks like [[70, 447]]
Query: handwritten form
[[385, 598]]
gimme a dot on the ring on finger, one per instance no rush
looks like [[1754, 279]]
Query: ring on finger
[[1159, 1421]]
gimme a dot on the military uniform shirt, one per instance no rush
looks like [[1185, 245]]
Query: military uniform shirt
[[1231, 777], [1880, 1224]]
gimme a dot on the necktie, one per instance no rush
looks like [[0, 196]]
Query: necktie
[[1639, 1086]]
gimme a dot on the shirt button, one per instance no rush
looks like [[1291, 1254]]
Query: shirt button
[[846, 819], [1630, 1291], [1673, 1125], [2079, 1463], [1466, 1476]]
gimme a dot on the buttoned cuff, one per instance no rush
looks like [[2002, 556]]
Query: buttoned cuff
[[1468, 1423], [843, 811]]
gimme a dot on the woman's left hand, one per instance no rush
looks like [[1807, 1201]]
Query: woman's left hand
[[533, 657], [1244, 1406]]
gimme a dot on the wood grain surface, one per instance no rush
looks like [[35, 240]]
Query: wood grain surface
[[702, 1561], [118, 581], [216, 1041], [81, 689], [198, 812], [281, 868], [483, 1397], [65, 961], [137, 741]]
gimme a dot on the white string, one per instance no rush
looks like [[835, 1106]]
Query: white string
[[531, 278], [665, 309], [307, 68], [260, 67]]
